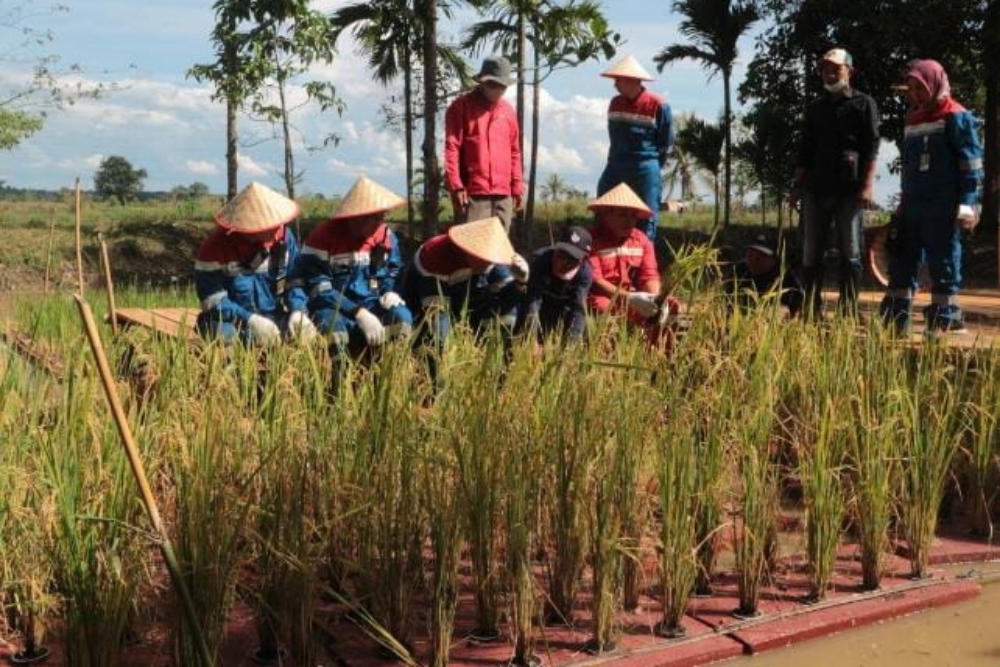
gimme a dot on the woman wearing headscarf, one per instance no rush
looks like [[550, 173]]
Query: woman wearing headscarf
[[942, 160]]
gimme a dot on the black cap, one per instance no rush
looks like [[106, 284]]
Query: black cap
[[575, 241]]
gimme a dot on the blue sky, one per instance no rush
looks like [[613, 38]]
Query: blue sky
[[168, 125]]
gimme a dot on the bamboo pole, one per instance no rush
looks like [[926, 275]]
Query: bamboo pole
[[138, 470], [109, 285], [79, 242], [48, 251]]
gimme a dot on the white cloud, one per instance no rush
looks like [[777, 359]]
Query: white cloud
[[201, 168], [250, 167]]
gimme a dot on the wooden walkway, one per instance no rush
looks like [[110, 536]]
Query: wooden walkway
[[167, 321], [980, 306]]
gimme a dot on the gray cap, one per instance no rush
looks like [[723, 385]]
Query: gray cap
[[495, 68]]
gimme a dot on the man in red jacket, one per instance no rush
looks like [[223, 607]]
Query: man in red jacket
[[482, 149]]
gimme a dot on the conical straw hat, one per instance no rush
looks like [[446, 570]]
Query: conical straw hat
[[621, 196], [485, 239], [629, 68], [366, 197], [256, 208]]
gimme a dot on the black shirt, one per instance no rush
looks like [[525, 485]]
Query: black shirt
[[838, 128]]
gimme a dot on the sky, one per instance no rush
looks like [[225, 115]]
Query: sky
[[168, 124]]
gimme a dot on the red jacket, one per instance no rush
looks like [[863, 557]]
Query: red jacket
[[482, 147]]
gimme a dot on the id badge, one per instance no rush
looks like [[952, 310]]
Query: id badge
[[373, 284], [925, 162]]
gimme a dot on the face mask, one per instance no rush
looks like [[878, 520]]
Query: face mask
[[836, 87], [567, 275]]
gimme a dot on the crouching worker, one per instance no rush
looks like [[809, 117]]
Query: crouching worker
[[470, 273], [349, 269], [761, 274], [560, 279], [241, 269], [626, 277]]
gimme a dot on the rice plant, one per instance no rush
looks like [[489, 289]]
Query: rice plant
[[748, 428], [445, 522], [871, 445], [477, 374], [981, 444], [388, 473], [95, 545], [678, 496], [522, 481], [212, 462], [932, 426]]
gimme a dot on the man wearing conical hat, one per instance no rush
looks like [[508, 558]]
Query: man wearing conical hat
[[241, 269], [470, 272], [482, 148], [349, 271], [626, 277], [640, 132]]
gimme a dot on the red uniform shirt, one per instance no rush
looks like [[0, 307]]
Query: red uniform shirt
[[627, 264]]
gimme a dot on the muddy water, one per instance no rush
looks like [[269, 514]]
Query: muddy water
[[962, 635]]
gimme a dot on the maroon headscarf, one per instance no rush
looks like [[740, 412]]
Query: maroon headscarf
[[933, 77]]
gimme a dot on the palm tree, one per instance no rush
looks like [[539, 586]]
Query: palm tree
[[682, 171], [713, 27], [553, 188], [387, 33], [702, 142]]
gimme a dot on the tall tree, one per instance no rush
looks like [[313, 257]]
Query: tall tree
[[263, 47], [388, 34], [24, 104], [233, 82], [115, 178], [714, 28]]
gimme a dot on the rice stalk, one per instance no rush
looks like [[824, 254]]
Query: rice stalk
[[287, 522], [522, 481], [444, 518]]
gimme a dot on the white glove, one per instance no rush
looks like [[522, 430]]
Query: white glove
[[519, 267], [301, 327], [668, 311], [966, 217], [263, 331], [643, 303], [371, 327], [391, 300]]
